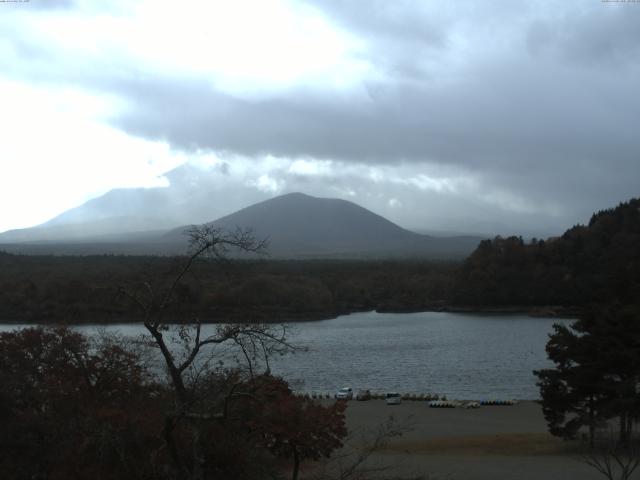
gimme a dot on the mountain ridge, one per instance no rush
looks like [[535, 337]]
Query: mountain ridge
[[297, 225]]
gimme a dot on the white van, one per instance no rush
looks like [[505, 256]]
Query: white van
[[345, 393], [393, 398]]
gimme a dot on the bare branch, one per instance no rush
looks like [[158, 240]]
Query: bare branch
[[194, 351], [613, 460], [215, 241]]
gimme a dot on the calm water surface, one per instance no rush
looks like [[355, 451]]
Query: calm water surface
[[467, 356]]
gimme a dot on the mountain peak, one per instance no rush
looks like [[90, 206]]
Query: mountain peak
[[297, 224], [295, 195]]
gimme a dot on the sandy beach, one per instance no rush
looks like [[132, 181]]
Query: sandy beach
[[491, 442]]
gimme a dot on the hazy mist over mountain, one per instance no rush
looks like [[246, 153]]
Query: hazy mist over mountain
[[295, 225], [198, 194]]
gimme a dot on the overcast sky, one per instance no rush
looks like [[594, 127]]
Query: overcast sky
[[455, 115]]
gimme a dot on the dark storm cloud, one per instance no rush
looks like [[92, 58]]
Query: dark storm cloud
[[523, 120], [505, 121], [537, 102], [530, 109], [552, 118]]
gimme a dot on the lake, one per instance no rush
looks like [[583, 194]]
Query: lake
[[463, 356]]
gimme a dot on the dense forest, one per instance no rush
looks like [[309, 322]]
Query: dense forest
[[596, 263], [50, 289], [593, 263]]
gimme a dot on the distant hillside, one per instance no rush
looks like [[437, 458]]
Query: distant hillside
[[298, 225], [108, 230], [190, 198], [599, 262]]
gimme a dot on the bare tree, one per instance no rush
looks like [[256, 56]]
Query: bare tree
[[183, 346], [613, 459]]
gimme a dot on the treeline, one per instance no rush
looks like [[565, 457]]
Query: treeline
[[596, 263], [52, 289]]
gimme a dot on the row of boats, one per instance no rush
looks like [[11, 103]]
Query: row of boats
[[435, 401]]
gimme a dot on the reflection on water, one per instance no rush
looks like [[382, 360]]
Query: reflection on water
[[459, 355]]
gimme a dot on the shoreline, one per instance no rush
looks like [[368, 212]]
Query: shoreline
[[534, 312]]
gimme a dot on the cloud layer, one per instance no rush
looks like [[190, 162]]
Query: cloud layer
[[458, 115]]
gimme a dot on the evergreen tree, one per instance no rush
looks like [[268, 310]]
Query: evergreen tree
[[596, 374]]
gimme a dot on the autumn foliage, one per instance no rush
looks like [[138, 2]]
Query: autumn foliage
[[292, 427], [71, 407], [78, 407]]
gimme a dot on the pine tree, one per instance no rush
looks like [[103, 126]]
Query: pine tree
[[596, 374]]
